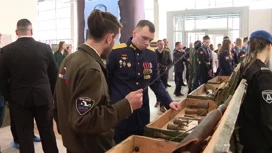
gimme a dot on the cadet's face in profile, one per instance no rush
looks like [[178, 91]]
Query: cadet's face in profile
[[142, 37], [165, 42], [206, 42]]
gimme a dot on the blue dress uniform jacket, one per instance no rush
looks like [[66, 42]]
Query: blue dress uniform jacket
[[130, 69], [205, 63], [226, 64], [236, 55]]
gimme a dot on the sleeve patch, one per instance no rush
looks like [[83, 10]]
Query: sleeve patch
[[201, 52], [267, 96], [84, 105]]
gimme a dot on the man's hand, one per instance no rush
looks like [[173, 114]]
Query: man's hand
[[175, 105], [135, 99]]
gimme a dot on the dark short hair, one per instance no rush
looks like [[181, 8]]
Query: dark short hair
[[211, 47], [143, 23], [197, 44], [177, 43], [206, 37], [225, 37], [245, 39], [159, 41], [23, 24], [101, 23]]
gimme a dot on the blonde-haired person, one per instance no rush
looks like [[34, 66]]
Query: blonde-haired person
[[254, 119], [225, 59]]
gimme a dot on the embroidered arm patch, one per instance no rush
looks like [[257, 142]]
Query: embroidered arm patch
[[84, 105], [267, 96]]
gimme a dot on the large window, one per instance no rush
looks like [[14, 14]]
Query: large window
[[54, 21], [149, 10], [181, 5], [189, 27]]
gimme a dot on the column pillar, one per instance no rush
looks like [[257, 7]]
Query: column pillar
[[81, 21], [131, 11], [156, 20]]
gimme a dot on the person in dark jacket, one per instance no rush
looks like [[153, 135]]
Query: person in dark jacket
[[167, 49], [205, 60], [196, 80], [178, 60], [225, 59], [164, 63], [254, 119], [30, 70]]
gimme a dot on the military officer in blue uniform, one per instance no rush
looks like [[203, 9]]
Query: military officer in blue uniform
[[205, 61], [236, 51], [254, 119], [131, 66], [245, 45]]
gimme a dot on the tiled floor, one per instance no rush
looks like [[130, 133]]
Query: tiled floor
[[6, 137]]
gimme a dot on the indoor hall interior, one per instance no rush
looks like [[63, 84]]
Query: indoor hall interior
[[176, 20]]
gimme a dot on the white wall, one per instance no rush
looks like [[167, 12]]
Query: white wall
[[260, 20], [13, 10]]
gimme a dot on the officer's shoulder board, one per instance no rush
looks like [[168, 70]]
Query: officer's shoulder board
[[150, 49], [118, 46]]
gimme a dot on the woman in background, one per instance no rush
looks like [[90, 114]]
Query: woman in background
[[225, 59], [61, 53]]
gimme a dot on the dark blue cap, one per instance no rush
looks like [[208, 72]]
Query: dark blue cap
[[261, 34]]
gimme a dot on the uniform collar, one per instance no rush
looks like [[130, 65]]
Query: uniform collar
[[25, 37], [92, 48], [88, 49], [260, 63], [131, 45]]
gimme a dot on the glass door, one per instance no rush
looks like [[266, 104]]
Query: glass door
[[216, 37]]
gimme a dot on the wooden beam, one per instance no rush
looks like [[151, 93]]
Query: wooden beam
[[220, 141]]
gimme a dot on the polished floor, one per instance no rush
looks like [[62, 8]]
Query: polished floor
[[6, 137]]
